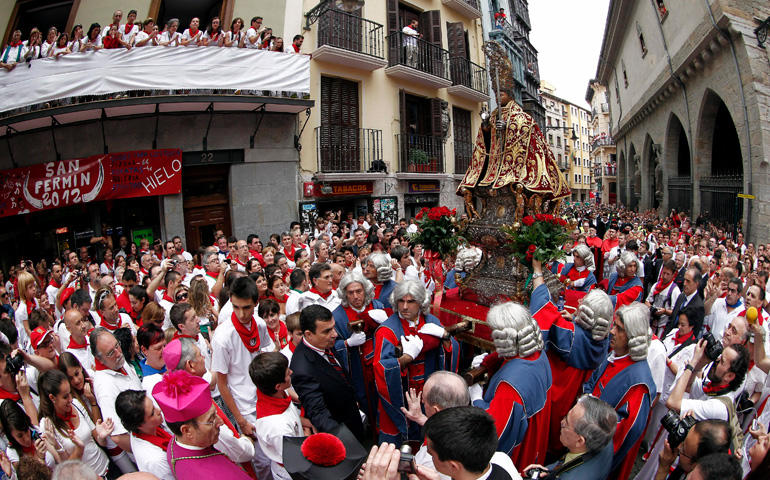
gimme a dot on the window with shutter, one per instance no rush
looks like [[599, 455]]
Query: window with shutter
[[338, 139], [463, 139]]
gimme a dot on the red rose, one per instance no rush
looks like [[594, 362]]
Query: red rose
[[434, 213], [454, 212], [539, 217], [444, 211], [548, 217], [528, 220], [419, 215], [531, 248]]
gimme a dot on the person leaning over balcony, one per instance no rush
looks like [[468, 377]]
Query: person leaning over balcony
[[47, 47], [130, 29], [500, 18], [32, 46], [254, 34], [13, 52], [77, 39], [266, 39], [192, 36], [278, 45], [114, 40], [235, 37], [214, 36], [410, 36], [61, 47], [148, 37], [94, 38], [296, 44], [170, 37]]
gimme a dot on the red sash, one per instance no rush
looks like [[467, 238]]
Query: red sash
[[250, 336], [160, 438]]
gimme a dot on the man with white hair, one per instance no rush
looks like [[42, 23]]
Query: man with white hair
[[378, 270], [624, 286], [624, 381], [355, 335], [579, 275], [517, 395], [408, 347]]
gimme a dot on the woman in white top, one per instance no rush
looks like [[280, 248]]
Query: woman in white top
[[94, 38], [46, 50], [192, 36], [148, 37], [170, 37], [62, 46], [78, 39], [235, 37], [76, 436], [27, 303], [214, 35], [32, 46], [24, 440]]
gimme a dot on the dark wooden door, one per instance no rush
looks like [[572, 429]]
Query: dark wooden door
[[338, 140], [206, 202], [463, 140]]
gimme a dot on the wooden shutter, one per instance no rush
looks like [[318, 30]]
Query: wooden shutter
[[455, 34], [437, 142], [430, 26], [338, 138], [392, 15]]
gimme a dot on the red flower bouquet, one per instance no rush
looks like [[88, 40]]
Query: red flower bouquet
[[541, 237]]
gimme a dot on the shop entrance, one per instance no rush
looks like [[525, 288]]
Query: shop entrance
[[206, 204]]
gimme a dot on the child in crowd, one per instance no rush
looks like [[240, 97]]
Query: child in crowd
[[292, 325], [270, 312]]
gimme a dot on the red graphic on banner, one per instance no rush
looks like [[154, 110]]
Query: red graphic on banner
[[99, 177]]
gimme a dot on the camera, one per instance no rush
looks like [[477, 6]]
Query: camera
[[534, 473], [713, 346], [406, 463], [13, 364], [676, 427], [654, 311]]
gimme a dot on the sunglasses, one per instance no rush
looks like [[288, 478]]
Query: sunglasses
[[181, 296]]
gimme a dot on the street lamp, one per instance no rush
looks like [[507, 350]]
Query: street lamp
[[345, 5]]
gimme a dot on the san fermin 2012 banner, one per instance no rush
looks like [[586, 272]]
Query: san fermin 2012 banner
[[99, 177]]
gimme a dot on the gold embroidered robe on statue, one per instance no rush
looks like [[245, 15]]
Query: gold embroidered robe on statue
[[525, 158]]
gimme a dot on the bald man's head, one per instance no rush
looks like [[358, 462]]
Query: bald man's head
[[444, 390]]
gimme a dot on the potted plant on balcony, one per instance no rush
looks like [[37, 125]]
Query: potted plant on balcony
[[418, 160]]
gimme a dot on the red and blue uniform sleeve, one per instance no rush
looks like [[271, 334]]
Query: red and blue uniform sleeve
[[387, 377], [506, 407], [633, 411], [627, 297], [575, 346], [543, 310]]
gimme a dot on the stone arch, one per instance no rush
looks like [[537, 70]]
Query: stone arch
[[622, 175], [720, 161], [652, 174], [677, 167], [635, 177]]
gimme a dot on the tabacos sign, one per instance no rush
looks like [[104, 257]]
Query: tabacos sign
[[99, 177]]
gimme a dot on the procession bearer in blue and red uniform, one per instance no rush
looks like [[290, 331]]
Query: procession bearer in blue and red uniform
[[355, 340], [518, 395], [624, 381], [408, 347], [625, 286]]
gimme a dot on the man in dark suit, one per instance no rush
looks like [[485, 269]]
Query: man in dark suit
[[689, 301], [323, 386], [649, 262]]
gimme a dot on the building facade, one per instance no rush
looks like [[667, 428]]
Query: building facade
[[687, 84], [239, 158], [396, 116], [603, 151]]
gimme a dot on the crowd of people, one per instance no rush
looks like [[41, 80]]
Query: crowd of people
[[133, 34], [282, 359]]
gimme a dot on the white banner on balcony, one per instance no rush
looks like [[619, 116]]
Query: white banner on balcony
[[152, 68]]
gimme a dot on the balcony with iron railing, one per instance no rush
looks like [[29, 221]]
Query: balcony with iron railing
[[468, 80], [602, 142], [349, 150], [420, 153], [468, 8], [349, 40], [609, 171], [507, 29], [418, 61]]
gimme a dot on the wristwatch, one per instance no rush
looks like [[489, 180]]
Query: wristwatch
[[689, 367], [536, 275]]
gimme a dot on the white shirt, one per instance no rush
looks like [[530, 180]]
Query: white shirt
[[292, 303], [681, 358], [270, 432], [173, 40], [150, 458], [720, 318], [140, 37], [127, 36], [656, 359], [238, 450], [250, 33], [51, 291], [83, 355], [410, 36], [310, 298], [93, 456], [422, 457], [107, 385], [235, 38], [287, 352], [188, 36], [230, 357]]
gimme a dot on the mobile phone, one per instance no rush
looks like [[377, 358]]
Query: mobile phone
[[35, 435], [754, 424]]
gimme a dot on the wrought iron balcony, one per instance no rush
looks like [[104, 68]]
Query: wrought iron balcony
[[414, 59], [469, 8], [350, 40], [468, 79], [349, 150], [420, 153]]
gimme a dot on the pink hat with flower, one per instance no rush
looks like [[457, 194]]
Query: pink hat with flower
[[182, 396]]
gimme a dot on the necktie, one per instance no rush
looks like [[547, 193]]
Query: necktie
[[333, 361]]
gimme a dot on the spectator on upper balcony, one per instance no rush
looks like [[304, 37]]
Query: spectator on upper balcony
[[266, 40], [129, 31], [116, 17], [192, 36], [94, 38], [61, 47], [254, 34], [410, 36], [214, 35], [148, 37], [32, 46], [296, 44], [13, 52], [500, 18], [278, 45], [170, 37], [114, 39], [235, 37], [77, 39], [46, 49]]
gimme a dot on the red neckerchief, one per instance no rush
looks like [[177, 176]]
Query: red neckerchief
[[30, 306], [6, 395], [237, 260], [103, 323], [288, 254], [109, 265], [68, 418], [54, 284], [129, 27], [296, 48], [250, 336], [214, 36], [712, 389], [31, 451], [213, 275], [160, 438], [281, 337], [322, 295], [192, 35], [167, 298], [179, 335], [680, 339], [267, 405], [279, 300], [659, 287], [143, 271], [98, 365], [77, 346], [14, 45], [409, 330]]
